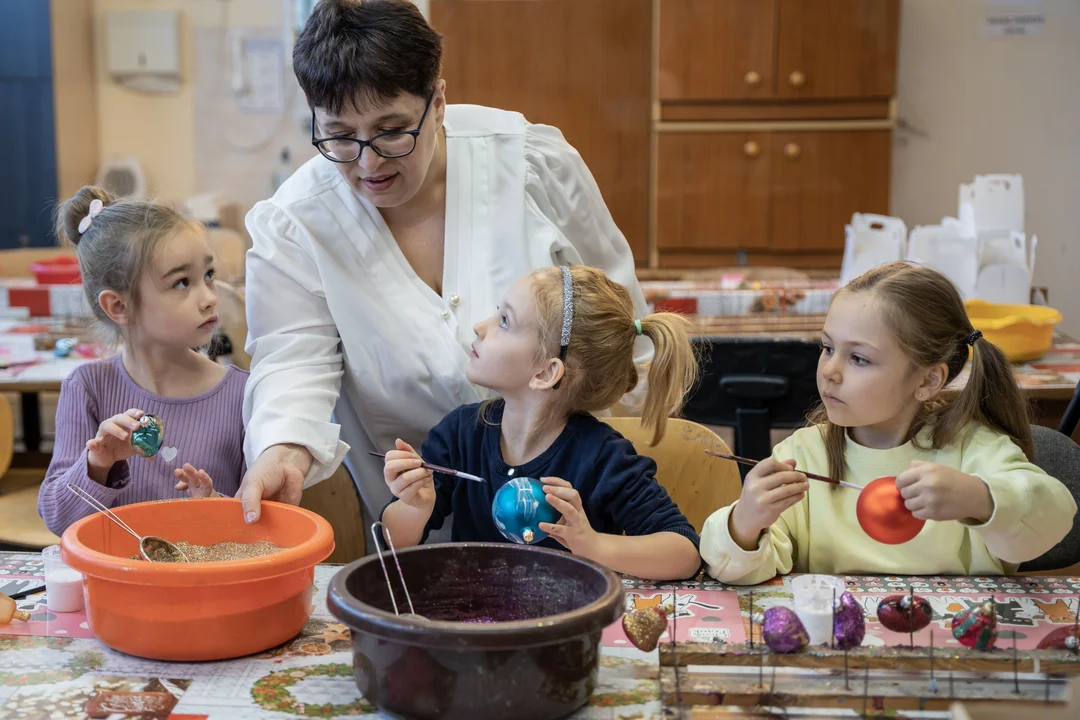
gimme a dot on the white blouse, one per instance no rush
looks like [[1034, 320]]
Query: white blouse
[[339, 323]]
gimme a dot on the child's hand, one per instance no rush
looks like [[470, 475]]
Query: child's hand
[[112, 444], [936, 492], [410, 483], [196, 481], [573, 530], [769, 489]]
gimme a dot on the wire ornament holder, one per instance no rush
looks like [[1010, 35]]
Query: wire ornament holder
[[377, 529]]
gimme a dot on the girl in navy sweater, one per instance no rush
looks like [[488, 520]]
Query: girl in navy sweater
[[559, 346]]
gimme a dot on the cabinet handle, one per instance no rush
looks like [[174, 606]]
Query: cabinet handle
[[752, 78], [751, 149], [792, 151], [797, 79]]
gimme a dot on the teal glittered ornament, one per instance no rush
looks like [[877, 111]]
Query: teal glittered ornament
[[150, 435], [518, 509]]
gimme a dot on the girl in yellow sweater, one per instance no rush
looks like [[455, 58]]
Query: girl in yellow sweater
[[894, 339]]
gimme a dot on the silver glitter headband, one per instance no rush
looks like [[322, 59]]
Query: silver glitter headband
[[567, 310]]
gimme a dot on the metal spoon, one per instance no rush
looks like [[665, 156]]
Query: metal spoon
[[151, 547]]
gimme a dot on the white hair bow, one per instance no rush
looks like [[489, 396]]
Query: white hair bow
[[96, 206]]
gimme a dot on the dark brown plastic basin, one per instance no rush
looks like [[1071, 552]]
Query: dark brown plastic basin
[[530, 652]]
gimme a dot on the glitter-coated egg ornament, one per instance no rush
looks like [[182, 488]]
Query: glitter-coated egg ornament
[[782, 630], [977, 626], [645, 626], [150, 435], [849, 623], [1064, 638], [882, 515], [518, 509], [904, 613]]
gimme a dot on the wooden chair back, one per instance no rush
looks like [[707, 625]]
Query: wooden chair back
[[698, 483], [338, 501]]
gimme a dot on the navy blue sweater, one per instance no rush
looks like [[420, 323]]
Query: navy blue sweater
[[617, 486]]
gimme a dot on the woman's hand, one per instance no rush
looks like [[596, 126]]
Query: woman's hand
[[408, 481], [573, 530], [197, 482], [278, 475], [770, 489], [112, 444], [936, 492]]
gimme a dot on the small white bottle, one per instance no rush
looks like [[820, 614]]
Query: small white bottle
[[63, 585]]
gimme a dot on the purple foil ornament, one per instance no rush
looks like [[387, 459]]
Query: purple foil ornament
[[849, 624], [782, 630]]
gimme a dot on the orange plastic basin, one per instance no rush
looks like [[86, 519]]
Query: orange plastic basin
[[198, 611]]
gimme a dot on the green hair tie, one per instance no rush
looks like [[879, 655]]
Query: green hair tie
[[637, 326]]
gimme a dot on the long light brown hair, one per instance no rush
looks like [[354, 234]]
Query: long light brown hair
[[599, 366], [926, 315]]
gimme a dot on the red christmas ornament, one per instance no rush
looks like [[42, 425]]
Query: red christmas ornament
[[882, 514], [1064, 638], [904, 613], [977, 626]]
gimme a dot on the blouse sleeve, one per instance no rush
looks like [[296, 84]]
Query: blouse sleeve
[[565, 209], [1032, 511], [296, 359], [76, 423]]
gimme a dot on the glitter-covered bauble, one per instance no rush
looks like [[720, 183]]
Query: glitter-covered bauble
[[518, 509], [904, 613], [645, 626], [977, 626], [150, 435], [882, 514], [849, 624], [1064, 638], [782, 630]]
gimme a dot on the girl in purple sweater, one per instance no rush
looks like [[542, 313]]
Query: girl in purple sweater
[[148, 273]]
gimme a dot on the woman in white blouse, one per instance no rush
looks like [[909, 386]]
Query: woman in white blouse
[[374, 261]]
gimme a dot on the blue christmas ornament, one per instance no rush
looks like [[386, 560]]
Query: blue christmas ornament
[[518, 509]]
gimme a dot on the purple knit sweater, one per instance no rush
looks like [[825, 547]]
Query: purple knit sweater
[[206, 430]]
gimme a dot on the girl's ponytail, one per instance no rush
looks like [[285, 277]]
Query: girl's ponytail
[[673, 370]]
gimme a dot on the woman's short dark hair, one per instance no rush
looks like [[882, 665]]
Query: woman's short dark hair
[[363, 52]]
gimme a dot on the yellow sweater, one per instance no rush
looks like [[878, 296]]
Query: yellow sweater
[[1032, 513]]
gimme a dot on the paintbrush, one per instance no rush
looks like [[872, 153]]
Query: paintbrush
[[812, 476], [440, 469]]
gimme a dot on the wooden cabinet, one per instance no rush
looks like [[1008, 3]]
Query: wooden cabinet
[[712, 49], [837, 48], [712, 191], [584, 67], [819, 179], [758, 196], [719, 131]]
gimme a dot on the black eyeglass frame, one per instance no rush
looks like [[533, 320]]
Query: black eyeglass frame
[[361, 144]]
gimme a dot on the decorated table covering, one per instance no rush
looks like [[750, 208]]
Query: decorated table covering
[[51, 667]]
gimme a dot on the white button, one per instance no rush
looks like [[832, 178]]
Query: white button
[[445, 314], [510, 471], [455, 300]]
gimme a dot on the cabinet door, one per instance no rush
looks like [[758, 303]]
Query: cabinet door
[[712, 191], [583, 67], [820, 178], [717, 49], [837, 48]]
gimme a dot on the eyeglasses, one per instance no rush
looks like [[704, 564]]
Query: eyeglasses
[[392, 144]]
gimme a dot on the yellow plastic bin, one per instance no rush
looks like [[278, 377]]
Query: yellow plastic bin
[[1023, 332]]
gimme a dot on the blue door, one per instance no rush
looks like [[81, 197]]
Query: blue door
[[27, 133]]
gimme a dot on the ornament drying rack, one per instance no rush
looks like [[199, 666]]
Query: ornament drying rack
[[702, 681]]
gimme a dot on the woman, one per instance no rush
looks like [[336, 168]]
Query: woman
[[374, 261]]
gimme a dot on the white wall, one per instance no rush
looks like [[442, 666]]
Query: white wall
[[994, 104]]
